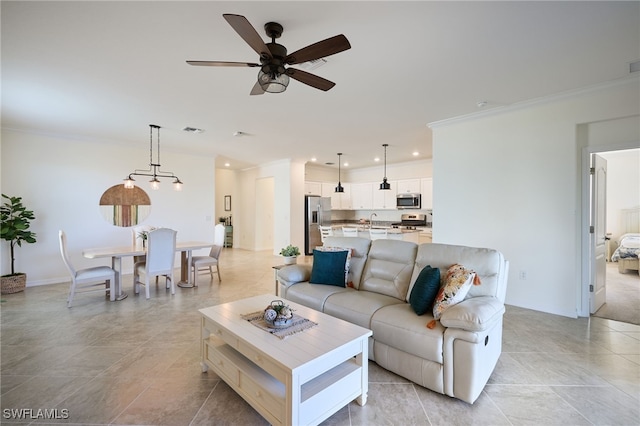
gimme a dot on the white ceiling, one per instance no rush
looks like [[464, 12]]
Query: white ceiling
[[104, 71]]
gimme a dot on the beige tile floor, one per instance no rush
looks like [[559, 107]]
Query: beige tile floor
[[137, 362]]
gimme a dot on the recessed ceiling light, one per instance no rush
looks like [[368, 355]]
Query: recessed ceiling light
[[376, 159], [238, 133], [346, 164], [227, 164], [416, 153], [314, 159], [482, 104]]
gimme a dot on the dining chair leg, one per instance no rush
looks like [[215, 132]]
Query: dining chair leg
[[146, 286], [210, 271], [218, 269]]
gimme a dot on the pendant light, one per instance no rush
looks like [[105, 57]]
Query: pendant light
[[154, 168], [385, 185], [339, 188]]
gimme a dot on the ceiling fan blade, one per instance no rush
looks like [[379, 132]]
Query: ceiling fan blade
[[319, 50], [222, 64], [257, 89], [310, 79], [248, 34]]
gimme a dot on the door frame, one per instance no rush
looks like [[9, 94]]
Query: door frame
[[584, 296]]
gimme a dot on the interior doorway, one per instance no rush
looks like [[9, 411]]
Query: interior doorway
[[622, 297]]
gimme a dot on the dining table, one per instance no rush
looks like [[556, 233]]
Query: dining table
[[117, 253]]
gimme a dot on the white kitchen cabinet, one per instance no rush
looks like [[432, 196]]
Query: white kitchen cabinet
[[339, 200], [425, 236], [408, 186], [312, 188], [426, 189], [384, 199], [362, 196]]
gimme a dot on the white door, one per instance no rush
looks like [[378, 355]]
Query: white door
[[598, 273]]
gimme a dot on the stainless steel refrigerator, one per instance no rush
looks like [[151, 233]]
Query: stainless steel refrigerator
[[317, 212]]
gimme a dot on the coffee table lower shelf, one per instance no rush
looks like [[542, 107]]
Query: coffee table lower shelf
[[319, 398]]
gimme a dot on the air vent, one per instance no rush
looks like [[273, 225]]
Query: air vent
[[192, 130], [313, 65], [329, 163], [634, 66]]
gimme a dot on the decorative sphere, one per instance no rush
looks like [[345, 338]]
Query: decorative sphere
[[270, 314]]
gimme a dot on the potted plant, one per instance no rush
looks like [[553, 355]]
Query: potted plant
[[15, 221], [290, 254]]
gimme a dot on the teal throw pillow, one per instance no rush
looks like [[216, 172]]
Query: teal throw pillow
[[425, 290], [328, 267]]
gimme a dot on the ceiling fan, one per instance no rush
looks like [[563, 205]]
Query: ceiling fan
[[273, 76]]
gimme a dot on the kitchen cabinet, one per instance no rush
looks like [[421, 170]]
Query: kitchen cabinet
[[425, 236], [339, 200], [384, 199], [408, 186], [426, 189], [362, 196], [312, 188]]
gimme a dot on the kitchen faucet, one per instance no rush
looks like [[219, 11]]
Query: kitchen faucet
[[371, 219]]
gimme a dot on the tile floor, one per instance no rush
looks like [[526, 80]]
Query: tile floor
[[136, 362]]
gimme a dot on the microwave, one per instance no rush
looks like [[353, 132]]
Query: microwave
[[408, 201]]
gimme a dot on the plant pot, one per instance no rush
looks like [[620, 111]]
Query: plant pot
[[13, 283], [290, 260]]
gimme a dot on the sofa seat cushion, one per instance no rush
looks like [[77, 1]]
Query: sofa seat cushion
[[398, 326], [313, 295], [357, 307]]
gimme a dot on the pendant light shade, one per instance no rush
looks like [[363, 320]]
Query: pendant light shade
[[385, 185], [339, 188]]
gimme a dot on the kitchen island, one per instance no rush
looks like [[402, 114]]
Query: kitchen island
[[412, 235]]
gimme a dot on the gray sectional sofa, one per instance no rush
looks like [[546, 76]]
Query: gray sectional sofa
[[457, 356]]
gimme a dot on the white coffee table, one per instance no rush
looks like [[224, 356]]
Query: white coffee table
[[299, 380]]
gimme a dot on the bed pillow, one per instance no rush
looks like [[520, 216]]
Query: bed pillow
[[329, 267], [456, 283], [424, 290]]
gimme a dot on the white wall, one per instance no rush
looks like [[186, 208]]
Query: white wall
[[288, 205], [62, 180], [511, 180]]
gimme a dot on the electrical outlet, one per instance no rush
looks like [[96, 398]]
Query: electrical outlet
[[522, 275]]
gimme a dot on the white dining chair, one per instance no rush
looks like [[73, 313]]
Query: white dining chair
[[325, 231], [203, 262], [97, 278], [160, 260], [377, 233], [349, 231]]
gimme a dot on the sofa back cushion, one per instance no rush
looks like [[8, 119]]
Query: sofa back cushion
[[489, 264], [359, 252], [389, 268]]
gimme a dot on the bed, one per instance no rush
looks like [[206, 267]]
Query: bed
[[628, 253]]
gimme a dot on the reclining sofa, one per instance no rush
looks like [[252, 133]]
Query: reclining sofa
[[458, 354]]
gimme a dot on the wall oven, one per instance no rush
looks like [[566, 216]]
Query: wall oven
[[408, 201]]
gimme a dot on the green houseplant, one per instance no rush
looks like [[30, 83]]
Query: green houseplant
[[15, 222], [290, 253]]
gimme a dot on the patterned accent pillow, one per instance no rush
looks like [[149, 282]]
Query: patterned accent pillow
[[347, 264], [456, 283]]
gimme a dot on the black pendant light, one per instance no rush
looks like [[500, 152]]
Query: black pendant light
[[339, 188], [385, 185]]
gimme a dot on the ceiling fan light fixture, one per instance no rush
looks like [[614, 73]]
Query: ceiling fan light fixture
[[272, 82]]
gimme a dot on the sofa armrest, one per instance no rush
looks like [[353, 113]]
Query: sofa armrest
[[293, 274], [473, 314]]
